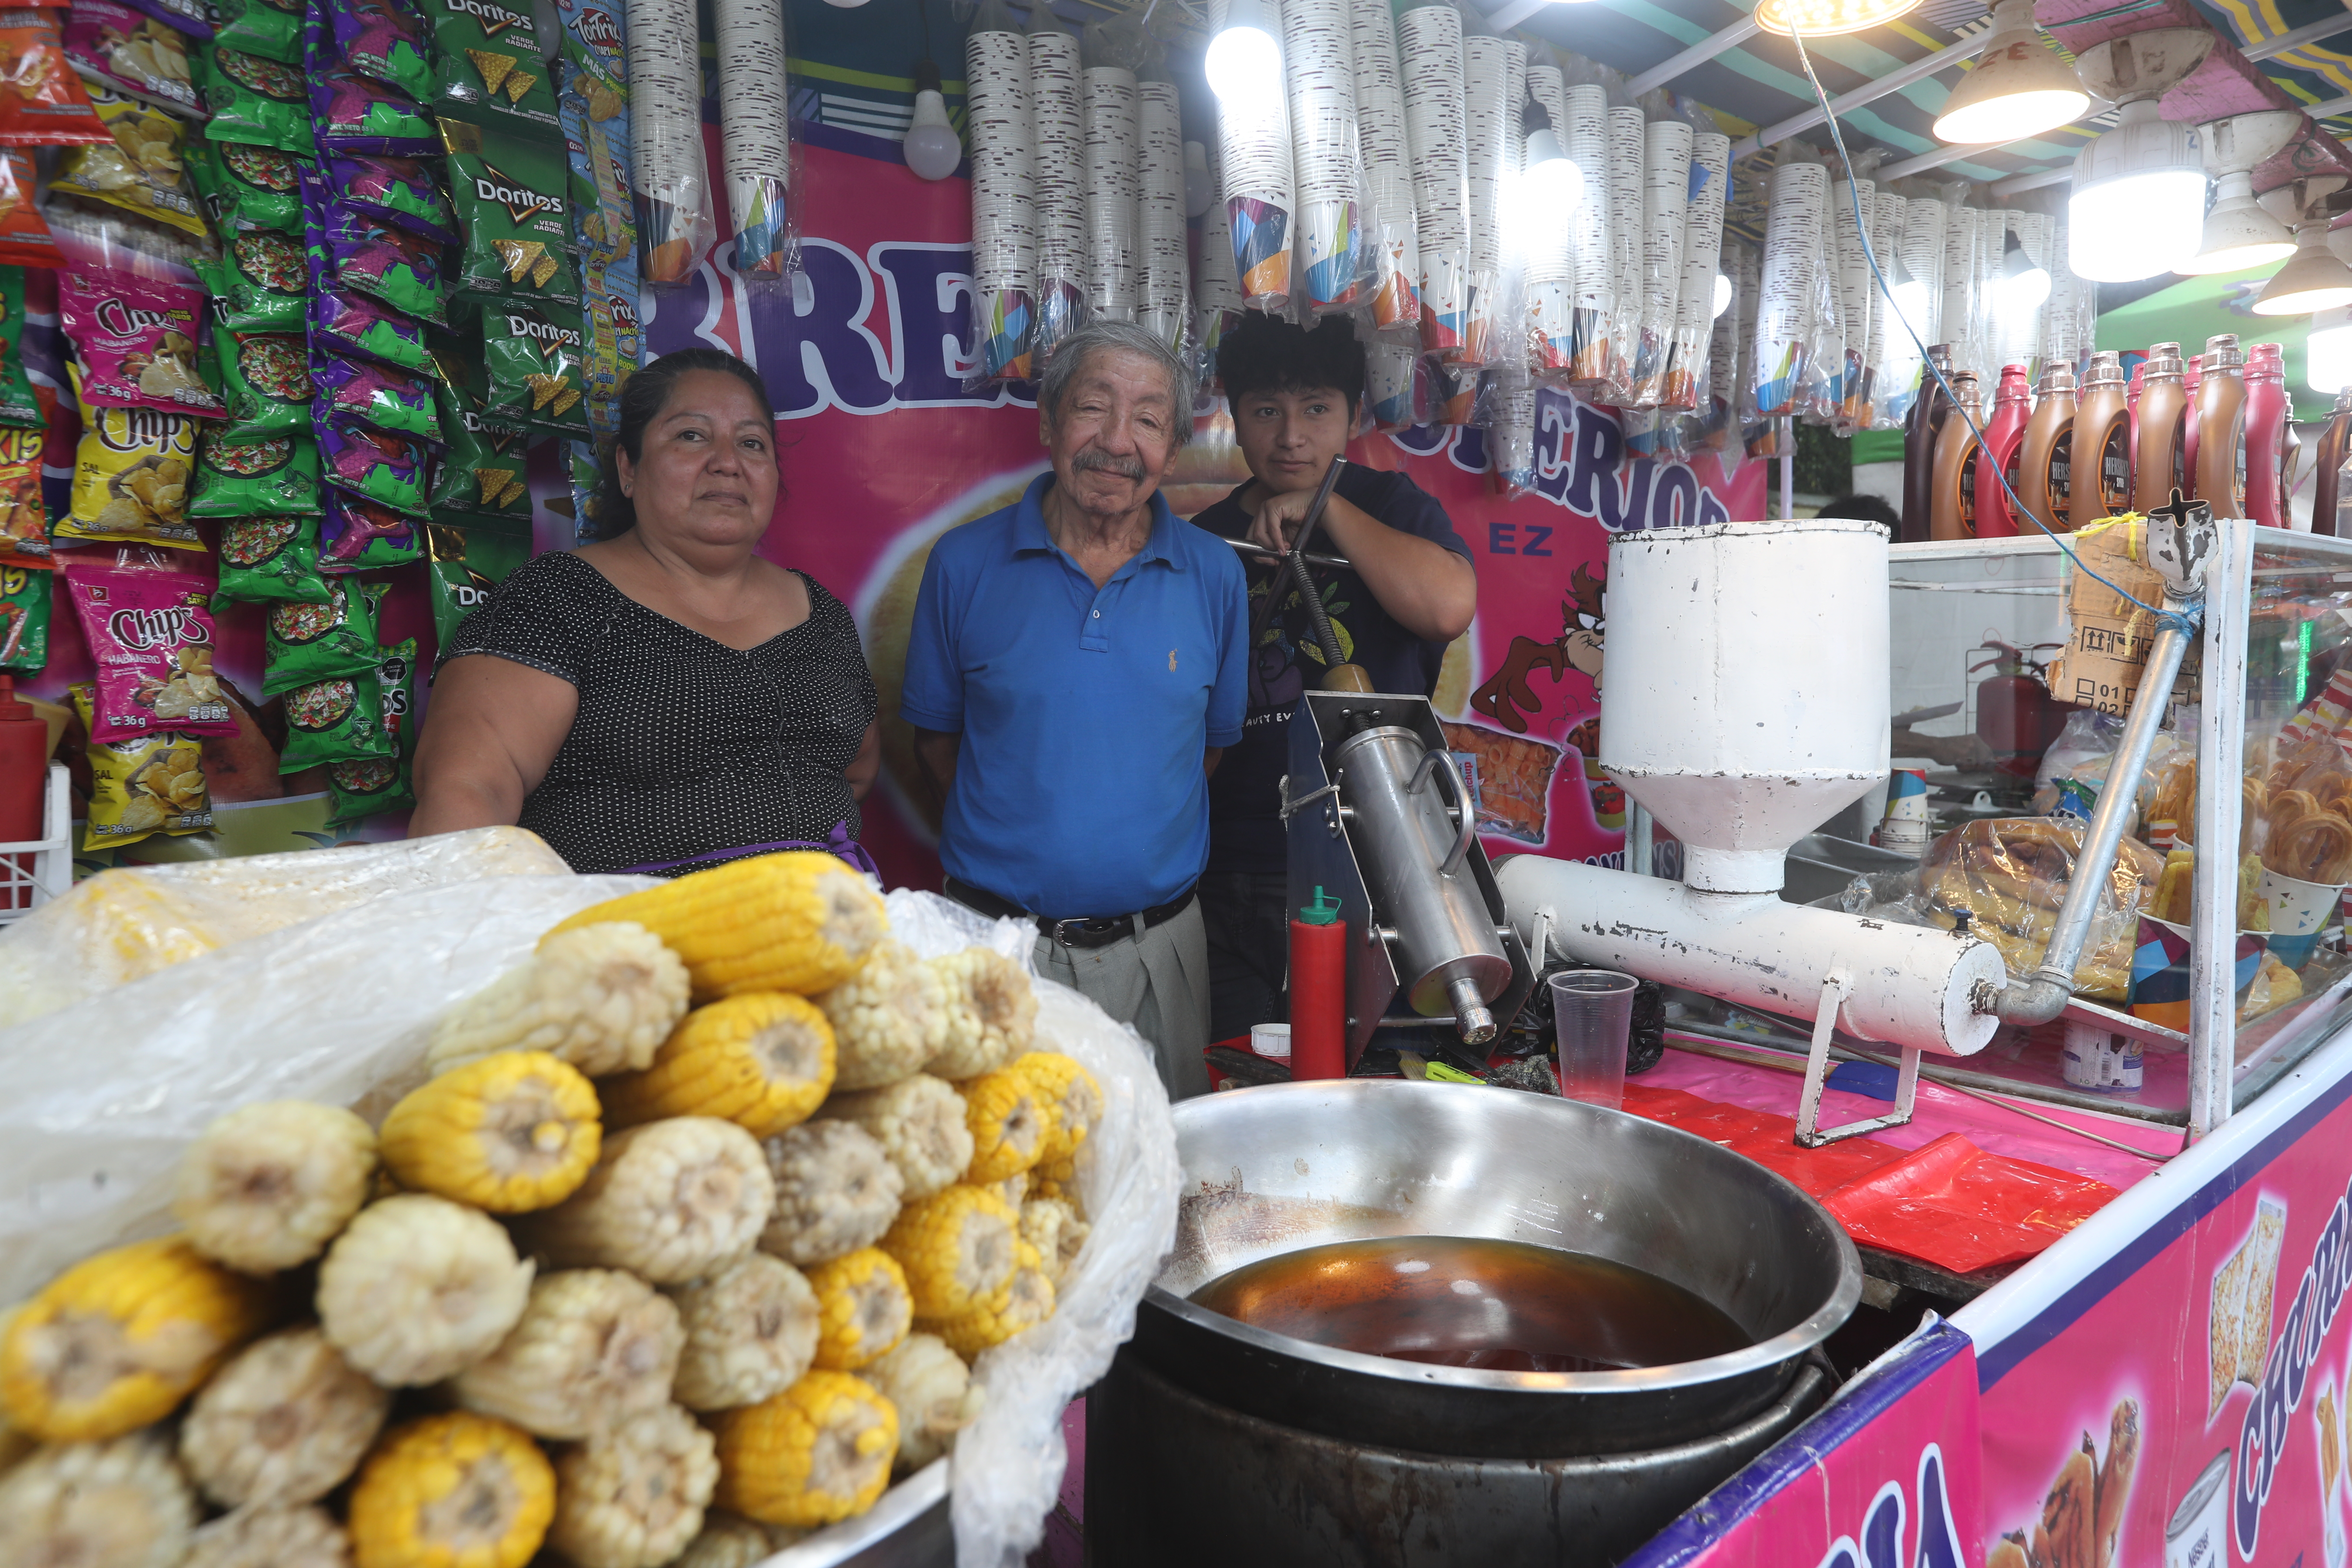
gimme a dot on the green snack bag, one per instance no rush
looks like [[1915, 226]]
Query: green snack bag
[[252, 98], [261, 284], [246, 187], [379, 785], [276, 478], [304, 644], [18, 407], [533, 355], [270, 560], [270, 28], [489, 71], [483, 470], [339, 719], [465, 563], [266, 378], [511, 205], [24, 617]]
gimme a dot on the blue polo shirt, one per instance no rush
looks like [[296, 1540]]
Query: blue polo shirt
[[1084, 711]]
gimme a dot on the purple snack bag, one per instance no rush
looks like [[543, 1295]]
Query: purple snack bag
[[357, 391], [400, 191], [193, 18], [361, 325], [354, 113], [358, 535], [391, 470], [384, 40], [401, 269]]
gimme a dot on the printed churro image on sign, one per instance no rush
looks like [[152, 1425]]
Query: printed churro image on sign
[[2083, 1512], [2242, 1301]]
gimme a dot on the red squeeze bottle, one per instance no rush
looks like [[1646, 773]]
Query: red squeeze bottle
[[24, 781], [1318, 991]]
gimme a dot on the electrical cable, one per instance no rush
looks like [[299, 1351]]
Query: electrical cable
[[2186, 624]]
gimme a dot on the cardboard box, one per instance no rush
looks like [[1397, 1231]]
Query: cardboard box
[[2108, 638]]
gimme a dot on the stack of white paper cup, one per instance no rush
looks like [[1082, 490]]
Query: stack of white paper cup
[[1628, 134], [1390, 228], [1784, 304], [1429, 41], [1216, 290], [1160, 137], [755, 121], [1493, 82], [1551, 258], [1114, 248], [1584, 134], [1253, 139], [676, 218], [1320, 73], [1059, 163], [1854, 291], [1710, 168], [1003, 209], [1897, 357], [1665, 209]]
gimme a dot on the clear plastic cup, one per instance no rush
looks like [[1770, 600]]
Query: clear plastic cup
[[1592, 1017]]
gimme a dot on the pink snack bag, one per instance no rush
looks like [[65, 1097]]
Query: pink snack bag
[[136, 339], [151, 636]]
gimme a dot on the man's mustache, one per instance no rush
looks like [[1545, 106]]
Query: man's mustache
[[1091, 460]]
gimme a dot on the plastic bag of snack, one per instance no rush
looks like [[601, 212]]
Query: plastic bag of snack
[[266, 382], [151, 636], [193, 18], [19, 405], [532, 355], [24, 617], [270, 561], [143, 171], [400, 191], [2011, 873], [245, 186], [483, 470], [378, 466], [352, 390], [270, 28], [359, 535], [276, 475], [256, 100], [261, 283], [354, 113], [134, 340], [132, 472], [24, 514], [384, 40], [25, 236], [114, 47], [509, 199], [349, 319], [377, 257], [490, 68], [381, 784], [42, 103], [466, 563], [304, 643], [337, 720], [140, 785]]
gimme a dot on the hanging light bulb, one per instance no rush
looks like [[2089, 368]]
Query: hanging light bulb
[[2240, 232], [2019, 88], [2313, 279], [1822, 17], [2024, 282], [2138, 206], [2327, 351], [1244, 59], [1546, 174], [932, 148], [1722, 296]]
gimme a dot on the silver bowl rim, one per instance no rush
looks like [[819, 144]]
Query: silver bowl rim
[[1761, 1356]]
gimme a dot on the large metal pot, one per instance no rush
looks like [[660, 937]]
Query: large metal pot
[[1271, 1170]]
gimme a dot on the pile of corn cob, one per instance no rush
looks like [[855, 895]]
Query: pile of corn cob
[[687, 1243]]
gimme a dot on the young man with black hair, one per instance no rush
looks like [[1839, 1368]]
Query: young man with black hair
[[1294, 395]]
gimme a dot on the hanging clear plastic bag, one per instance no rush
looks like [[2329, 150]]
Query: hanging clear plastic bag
[[755, 126], [677, 217], [1392, 236], [1628, 129], [1854, 205], [1710, 172], [1511, 438], [1429, 51], [1167, 293], [1784, 306], [1319, 75], [1549, 253], [1666, 141], [1109, 52], [1818, 391], [1584, 136], [1057, 154], [1494, 80], [1895, 374], [1000, 123], [1261, 208], [1217, 294], [1392, 384]]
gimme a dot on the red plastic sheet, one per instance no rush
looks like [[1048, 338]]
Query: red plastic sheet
[[1947, 1203]]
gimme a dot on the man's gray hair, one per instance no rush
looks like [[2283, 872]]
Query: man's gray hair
[[1070, 356]]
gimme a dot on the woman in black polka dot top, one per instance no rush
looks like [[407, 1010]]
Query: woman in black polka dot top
[[664, 698]]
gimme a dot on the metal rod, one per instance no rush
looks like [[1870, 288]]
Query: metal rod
[[1699, 54], [1868, 92], [2057, 176], [2328, 106], [1337, 563], [1641, 840], [2296, 37], [1296, 559], [2034, 1115], [1789, 478], [2214, 887]]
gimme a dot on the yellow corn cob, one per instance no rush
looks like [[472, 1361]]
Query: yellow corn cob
[[266, 1186], [1076, 1098], [1057, 1179], [15, 1443], [418, 1289], [864, 1308], [992, 1011], [934, 1395], [118, 1341], [815, 1454], [728, 1541], [593, 1346], [458, 1490], [508, 1133], [1026, 1300], [888, 1019], [956, 1249], [1054, 1229], [1014, 1189], [602, 997], [751, 1332], [272, 1538], [670, 1200], [836, 1191], [799, 921], [763, 1060], [919, 1123], [1011, 1121], [116, 1504], [634, 1496], [283, 1424]]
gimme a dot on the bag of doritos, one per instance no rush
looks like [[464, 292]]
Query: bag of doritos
[[42, 103], [375, 785], [401, 269], [483, 471], [131, 476], [274, 476], [141, 784], [532, 354], [266, 382], [359, 535], [270, 560], [133, 54], [466, 563], [24, 515], [305, 643], [24, 617], [135, 342], [510, 205], [344, 318], [353, 113], [270, 28], [256, 100], [491, 69]]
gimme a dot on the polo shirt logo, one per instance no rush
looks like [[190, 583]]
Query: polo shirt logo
[[1172, 660]]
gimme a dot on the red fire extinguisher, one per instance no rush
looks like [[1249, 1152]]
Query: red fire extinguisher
[[2016, 716]]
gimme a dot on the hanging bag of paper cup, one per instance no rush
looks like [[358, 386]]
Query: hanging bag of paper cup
[[1894, 376], [1254, 137], [1109, 53], [1784, 302], [1494, 80], [1666, 138], [1058, 159], [675, 220], [755, 134], [1167, 295], [1216, 290], [1391, 238], [1855, 293], [1818, 391], [1319, 74], [1628, 137], [1429, 57], [1584, 131], [1003, 207], [1710, 171], [1512, 439], [1549, 279]]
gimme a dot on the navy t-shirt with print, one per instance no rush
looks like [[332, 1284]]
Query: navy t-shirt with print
[[1246, 830]]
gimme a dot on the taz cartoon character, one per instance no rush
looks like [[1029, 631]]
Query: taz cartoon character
[[1506, 698]]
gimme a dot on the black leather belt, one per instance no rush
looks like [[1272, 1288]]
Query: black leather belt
[[1074, 931]]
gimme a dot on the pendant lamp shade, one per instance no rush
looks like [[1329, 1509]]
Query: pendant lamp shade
[[2018, 87]]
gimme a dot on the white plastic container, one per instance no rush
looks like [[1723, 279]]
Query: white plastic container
[[32, 874], [1271, 1041]]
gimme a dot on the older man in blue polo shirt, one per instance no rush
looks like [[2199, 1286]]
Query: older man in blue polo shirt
[[1075, 666]]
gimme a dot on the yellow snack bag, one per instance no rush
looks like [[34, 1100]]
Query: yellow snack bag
[[143, 171], [132, 474], [139, 787]]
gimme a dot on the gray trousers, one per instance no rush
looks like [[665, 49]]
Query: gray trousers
[[1158, 982]]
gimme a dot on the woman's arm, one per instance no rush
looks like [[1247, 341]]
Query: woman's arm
[[491, 731], [866, 763]]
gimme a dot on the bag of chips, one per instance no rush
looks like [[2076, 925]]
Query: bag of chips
[[337, 720], [245, 186], [400, 191], [132, 472], [360, 390], [377, 257], [270, 560], [511, 210], [256, 100], [346, 319], [19, 405], [360, 536], [384, 40], [353, 113], [464, 565], [132, 53], [24, 515], [274, 476], [305, 642], [24, 618], [381, 784], [261, 283], [391, 470], [25, 236], [151, 637], [134, 340], [141, 784], [270, 28], [266, 382], [193, 18], [42, 103], [484, 469], [143, 171], [532, 354], [489, 70]]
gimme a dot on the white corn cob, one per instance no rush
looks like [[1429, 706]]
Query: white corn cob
[[272, 1538], [1054, 1229], [670, 1200], [594, 1345], [283, 1424], [751, 1331], [919, 1123], [728, 1541], [266, 1186], [992, 1011], [418, 1289], [635, 1496], [603, 997], [836, 1191], [933, 1390], [121, 1504], [888, 1019]]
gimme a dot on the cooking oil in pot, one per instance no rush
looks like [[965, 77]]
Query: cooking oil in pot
[[1471, 1301]]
